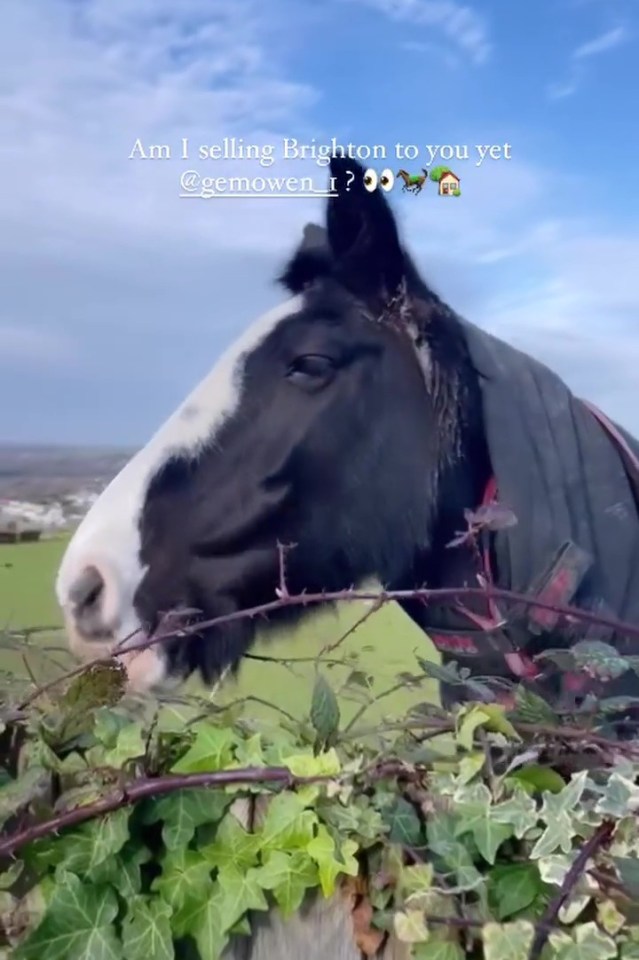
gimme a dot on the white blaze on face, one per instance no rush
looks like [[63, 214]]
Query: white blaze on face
[[108, 538]]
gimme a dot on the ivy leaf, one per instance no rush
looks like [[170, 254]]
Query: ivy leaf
[[599, 659], [240, 891], [531, 708], [322, 850], [416, 879], [508, 941], [78, 923], [183, 811], [556, 813], [146, 930], [589, 943], [130, 743], [107, 724], [9, 877], [609, 917], [438, 950], [289, 876], [287, 824], [519, 811], [620, 797], [212, 750], [203, 922], [185, 882], [514, 887], [628, 870], [410, 926], [442, 840], [18, 793], [325, 714], [476, 818], [232, 845], [122, 871], [537, 779], [94, 842], [404, 825]]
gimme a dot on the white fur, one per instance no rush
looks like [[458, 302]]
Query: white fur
[[109, 536]]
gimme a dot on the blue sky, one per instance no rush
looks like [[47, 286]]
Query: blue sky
[[116, 296]]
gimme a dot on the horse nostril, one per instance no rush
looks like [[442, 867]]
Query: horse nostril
[[86, 595]]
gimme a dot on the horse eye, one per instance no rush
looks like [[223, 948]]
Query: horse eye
[[386, 180], [370, 180], [311, 369]]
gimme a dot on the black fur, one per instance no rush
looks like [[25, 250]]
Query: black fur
[[366, 463]]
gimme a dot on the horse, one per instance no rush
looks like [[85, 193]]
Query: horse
[[360, 420], [413, 182]]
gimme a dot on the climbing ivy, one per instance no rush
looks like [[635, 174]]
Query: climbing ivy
[[507, 833]]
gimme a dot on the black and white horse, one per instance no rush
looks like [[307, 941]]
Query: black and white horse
[[353, 421]]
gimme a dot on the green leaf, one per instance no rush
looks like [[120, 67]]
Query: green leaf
[[203, 921], [212, 750], [404, 825], [322, 850], [514, 887], [416, 879], [289, 876], [184, 810], [91, 844], [537, 779], [628, 870], [287, 824], [410, 926], [232, 845], [507, 941], [240, 891], [620, 797], [325, 714], [146, 931], [556, 812], [18, 793], [438, 950], [475, 817], [130, 743], [587, 943], [531, 708], [9, 877], [442, 840], [122, 871], [519, 811], [185, 882], [78, 924], [599, 659]]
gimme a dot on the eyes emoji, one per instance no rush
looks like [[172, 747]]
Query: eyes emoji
[[370, 180], [386, 180]]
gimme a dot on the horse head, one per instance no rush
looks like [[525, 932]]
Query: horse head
[[338, 422]]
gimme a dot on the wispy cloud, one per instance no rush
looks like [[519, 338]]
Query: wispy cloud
[[459, 24], [602, 43]]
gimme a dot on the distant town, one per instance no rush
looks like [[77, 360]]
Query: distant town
[[44, 490]]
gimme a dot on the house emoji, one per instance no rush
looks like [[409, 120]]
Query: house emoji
[[448, 183]]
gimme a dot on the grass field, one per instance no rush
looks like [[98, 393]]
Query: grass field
[[386, 643]]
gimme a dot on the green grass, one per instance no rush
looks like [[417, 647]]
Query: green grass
[[386, 644]]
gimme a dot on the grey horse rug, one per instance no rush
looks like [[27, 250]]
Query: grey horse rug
[[571, 478]]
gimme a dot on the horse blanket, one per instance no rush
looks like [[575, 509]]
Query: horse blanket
[[572, 482]]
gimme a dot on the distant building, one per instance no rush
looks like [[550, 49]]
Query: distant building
[[16, 530]]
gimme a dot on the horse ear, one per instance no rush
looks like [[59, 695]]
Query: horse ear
[[362, 235]]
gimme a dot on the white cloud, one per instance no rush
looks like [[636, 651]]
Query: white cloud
[[458, 23], [602, 43]]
